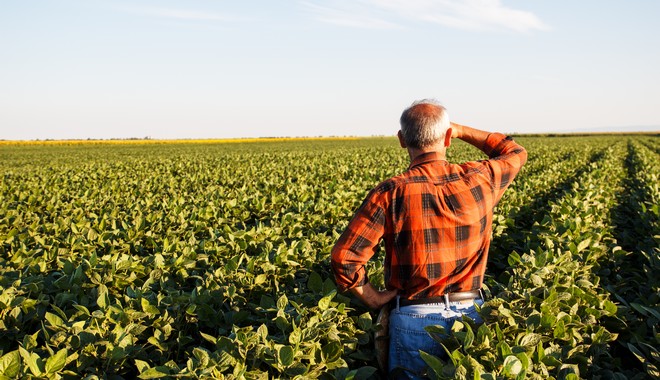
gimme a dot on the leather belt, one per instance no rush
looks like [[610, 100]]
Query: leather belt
[[446, 298]]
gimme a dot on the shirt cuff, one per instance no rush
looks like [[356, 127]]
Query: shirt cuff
[[493, 142], [346, 281]]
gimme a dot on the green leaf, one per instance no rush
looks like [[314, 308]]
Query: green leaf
[[437, 332], [141, 365], [53, 319], [30, 341], [530, 339], [504, 349], [315, 282], [433, 362], [282, 302], [260, 279], [262, 331], [602, 336], [33, 361], [285, 356], [328, 286], [281, 323], [102, 300], [82, 309], [331, 351], [547, 319], [208, 338], [57, 361], [610, 307], [524, 360], [469, 337], [512, 366], [324, 303], [457, 326], [645, 311], [640, 356], [559, 331], [551, 361], [232, 264], [148, 308], [514, 259], [365, 322], [296, 369], [155, 373], [539, 354], [10, 364], [583, 245], [498, 332], [295, 337], [202, 356]]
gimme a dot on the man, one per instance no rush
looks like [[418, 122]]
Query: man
[[435, 220]]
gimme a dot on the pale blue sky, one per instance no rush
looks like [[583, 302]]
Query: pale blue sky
[[219, 68]]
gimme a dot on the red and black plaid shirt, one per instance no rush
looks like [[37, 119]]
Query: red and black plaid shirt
[[435, 220]]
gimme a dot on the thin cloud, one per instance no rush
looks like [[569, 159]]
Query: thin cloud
[[458, 14], [350, 14]]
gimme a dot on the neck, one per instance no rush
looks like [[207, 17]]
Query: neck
[[414, 153]]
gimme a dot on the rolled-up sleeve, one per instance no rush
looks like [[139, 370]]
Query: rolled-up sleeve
[[506, 159], [358, 243]]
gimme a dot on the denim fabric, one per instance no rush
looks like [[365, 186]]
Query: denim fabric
[[407, 334]]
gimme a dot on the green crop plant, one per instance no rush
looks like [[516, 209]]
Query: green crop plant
[[212, 261]]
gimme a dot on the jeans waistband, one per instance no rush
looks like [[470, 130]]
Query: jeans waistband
[[445, 298]]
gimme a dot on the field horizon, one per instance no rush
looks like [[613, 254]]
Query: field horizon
[[211, 140]]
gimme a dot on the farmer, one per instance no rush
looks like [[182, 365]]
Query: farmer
[[435, 221]]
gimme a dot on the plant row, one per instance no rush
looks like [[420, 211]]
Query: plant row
[[552, 318]]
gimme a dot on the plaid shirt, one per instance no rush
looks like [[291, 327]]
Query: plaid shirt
[[435, 220]]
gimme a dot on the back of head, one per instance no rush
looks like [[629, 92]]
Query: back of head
[[424, 123]]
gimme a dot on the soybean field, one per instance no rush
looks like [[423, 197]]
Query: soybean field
[[202, 260]]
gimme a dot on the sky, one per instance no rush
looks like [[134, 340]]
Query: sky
[[170, 69]]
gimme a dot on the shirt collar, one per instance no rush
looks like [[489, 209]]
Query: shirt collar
[[425, 158]]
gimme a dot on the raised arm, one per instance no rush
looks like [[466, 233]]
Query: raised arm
[[506, 156], [472, 136]]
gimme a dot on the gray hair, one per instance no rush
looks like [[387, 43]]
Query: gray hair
[[424, 123]]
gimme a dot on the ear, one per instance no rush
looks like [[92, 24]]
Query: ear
[[402, 142], [448, 137]]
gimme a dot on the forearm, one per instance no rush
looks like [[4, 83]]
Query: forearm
[[472, 136], [373, 298]]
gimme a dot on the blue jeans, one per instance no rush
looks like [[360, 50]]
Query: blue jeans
[[407, 334]]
